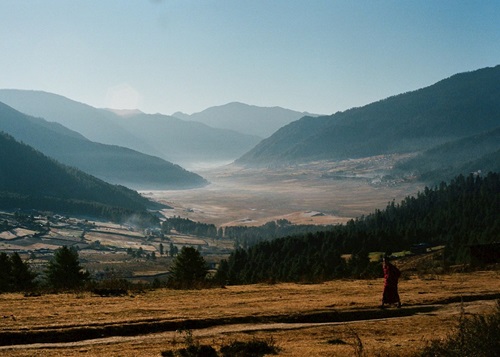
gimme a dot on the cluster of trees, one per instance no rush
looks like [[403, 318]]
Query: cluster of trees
[[309, 258], [248, 236], [140, 253], [15, 275], [457, 214], [63, 272], [187, 226], [243, 236]]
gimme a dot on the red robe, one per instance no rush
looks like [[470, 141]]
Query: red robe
[[391, 277]]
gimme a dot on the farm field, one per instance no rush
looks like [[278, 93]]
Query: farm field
[[103, 246], [302, 319]]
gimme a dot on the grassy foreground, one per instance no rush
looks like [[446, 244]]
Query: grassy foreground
[[337, 318]]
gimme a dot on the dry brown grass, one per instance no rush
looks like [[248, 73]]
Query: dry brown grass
[[399, 335]]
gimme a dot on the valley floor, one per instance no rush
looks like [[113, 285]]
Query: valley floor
[[316, 193]]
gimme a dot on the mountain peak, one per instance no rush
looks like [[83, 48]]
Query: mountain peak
[[244, 118], [124, 112]]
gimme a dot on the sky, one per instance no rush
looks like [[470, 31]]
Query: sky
[[319, 56]]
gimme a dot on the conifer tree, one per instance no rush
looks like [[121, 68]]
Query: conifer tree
[[64, 270], [22, 276], [5, 273], [189, 268]]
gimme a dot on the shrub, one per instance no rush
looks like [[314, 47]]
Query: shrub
[[254, 348], [476, 336], [192, 351]]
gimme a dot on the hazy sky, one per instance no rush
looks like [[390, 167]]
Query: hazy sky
[[320, 56]]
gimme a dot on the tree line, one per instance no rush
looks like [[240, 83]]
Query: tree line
[[246, 237], [15, 274], [458, 214], [62, 272], [243, 236], [187, 226]]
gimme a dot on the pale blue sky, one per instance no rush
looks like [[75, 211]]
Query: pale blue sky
[[320, 56]]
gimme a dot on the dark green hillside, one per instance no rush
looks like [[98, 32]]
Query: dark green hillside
[[462, 105], [114, 164], [30, 180], [471, 154], [466, 211]]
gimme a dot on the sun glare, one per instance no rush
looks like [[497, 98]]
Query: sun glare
[[123, 96]]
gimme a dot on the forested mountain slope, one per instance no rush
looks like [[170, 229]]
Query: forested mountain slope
[[31, 180], [462, 105], [463, 212], [474, 153], [114, 164]]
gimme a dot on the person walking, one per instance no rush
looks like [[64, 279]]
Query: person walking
[[391, 277]]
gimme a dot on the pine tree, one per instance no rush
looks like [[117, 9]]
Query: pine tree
[[189, 268], [64, 270], [5, 273], [22, 276]]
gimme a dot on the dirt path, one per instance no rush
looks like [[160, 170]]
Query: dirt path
[[326, 319], [215, 327]]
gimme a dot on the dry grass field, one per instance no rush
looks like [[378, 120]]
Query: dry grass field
[[335, 318]]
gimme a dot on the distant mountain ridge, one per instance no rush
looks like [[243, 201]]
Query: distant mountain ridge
[[94, 124], [187, 142], [463, 105], [111, 163], [172, 139], [249, 119]]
